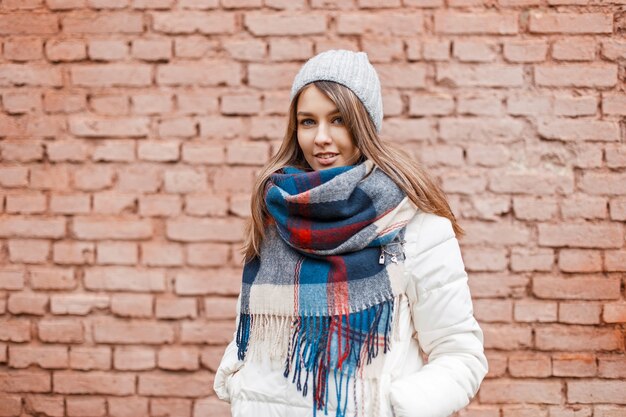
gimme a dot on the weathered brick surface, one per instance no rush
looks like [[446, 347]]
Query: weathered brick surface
[[131, 132]]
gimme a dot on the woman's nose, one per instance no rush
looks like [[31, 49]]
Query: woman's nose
[[323, 134]]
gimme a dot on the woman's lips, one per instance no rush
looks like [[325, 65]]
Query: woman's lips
[[324, 159]]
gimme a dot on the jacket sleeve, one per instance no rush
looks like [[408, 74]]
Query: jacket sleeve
[[442, 315], [229, 364]]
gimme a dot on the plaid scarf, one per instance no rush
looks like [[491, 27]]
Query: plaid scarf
[[322, 292]]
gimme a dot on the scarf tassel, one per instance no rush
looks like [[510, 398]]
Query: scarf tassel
[[321, 346]]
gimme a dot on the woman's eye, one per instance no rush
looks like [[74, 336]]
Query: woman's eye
[[340, 119], [305, 122]]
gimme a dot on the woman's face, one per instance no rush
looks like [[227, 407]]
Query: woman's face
[[322, 135]]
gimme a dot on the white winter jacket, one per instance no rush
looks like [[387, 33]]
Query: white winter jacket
[[436, 315]]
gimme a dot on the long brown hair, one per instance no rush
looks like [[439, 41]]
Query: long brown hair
[[407, 173]]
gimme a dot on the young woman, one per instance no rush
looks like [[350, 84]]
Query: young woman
[[351, 266]]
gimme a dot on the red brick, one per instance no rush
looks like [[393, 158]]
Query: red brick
[[195, 46], [134, 358], [14, 74], [14, 330], [86, 406], [479, 129], [383, 50], [523, 259], [49, 357], [206, 254], [222, 73], [580, 312], [139, 178], [96, 382], [16, 103], [525, 50], [615, 260], [212, 333], [528, 364], [576, 338], [578, 130], [197, 384], [124, 332], [10, 405], [26, 203], [176, 308], [103, 23], [474, 51], [496, 233], [114, 151], [380, 23], [245, 49], [240, 104], [575, 106], [582, 235], [27, 151], [50, 178], [608, 411], [480, 104], [152, 49], [28, 24], [196, 230], [79, 304], [107, 49], [493, 310], [431, 104], [246, 153], [23, 49], [91, 228], [286, 4], [271, 77], [485, 259], [132, 305], [67, 151], [574, 23], [90, 358], [436, 50], [152, 103], [535, 311], [584, 206], [516, 391], [574, 365], [74, 253], [65, 50], [614, 312], [162, 254], [60, 331], [214, 282], [587, 155], [613, 49], [178, 22], [431, 156], [24, 381], [52, 406], [28, 251], [70, 204], [110, 105], [506, 336], [211, 406], [124, 279], [576, 260], [476, 23], [498, 285], [111, 75], [603, 183], [568, 50], [178, 127], [185, 180], [63, 102], [490, 208], [612, 366], [497, 364], [112, 202], [576, 288], [16, 176], [96, 126], [160, 205], [596, 391], [178, 358], [576, 75], [170, 407], [56, 278], [152, 4], [128, 407], [284, 49], [27, 303], [615, 156]]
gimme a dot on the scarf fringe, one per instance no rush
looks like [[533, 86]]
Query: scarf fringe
[[315, 348]]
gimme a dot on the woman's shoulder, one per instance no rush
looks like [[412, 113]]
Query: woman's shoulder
[[427, 230]]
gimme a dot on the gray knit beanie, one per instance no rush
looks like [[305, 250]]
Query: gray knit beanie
[[349, 68]]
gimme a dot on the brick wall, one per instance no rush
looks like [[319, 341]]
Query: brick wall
[[131, 131]]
